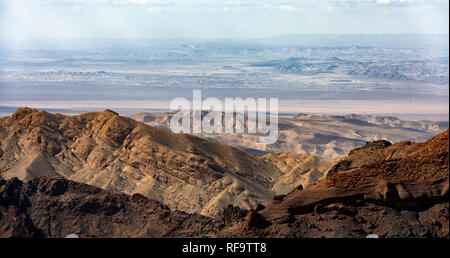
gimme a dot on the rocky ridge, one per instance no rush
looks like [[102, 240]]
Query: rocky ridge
[[401, 194]]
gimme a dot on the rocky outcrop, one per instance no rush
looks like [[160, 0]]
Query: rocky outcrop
[[400, 191], [370, 153], [297, 169], [232, 214], [56, 207]]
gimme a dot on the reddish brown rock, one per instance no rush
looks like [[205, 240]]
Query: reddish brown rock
[[402, 194]]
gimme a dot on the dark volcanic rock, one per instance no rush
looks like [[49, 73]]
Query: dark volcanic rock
[[378, 144], [256, 220], [232, 214], [56, 207], [259, 207], [279, 197]]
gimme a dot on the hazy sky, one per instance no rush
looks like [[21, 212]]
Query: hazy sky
[[40, 19]]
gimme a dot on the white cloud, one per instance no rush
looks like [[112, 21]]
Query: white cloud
[[290, 8], [287, 5], [392, 1], [139, 1], [216, 18]]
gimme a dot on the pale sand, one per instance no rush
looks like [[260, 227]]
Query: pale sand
[[406, 109]]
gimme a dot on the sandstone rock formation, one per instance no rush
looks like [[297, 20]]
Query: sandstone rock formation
[[121, 155]]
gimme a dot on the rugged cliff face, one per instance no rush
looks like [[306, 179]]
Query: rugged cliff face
[[400, 190], [121, 155], [56, 207]]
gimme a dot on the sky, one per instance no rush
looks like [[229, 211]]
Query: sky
[[93, 19]]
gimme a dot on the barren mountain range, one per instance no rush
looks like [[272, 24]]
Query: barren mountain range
[[134, 180], [322, 135]]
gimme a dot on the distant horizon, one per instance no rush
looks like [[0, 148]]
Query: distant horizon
[[217, 19], [389, 40], [236, 38]]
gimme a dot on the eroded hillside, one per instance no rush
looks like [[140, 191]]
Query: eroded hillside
[[119, 154]]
